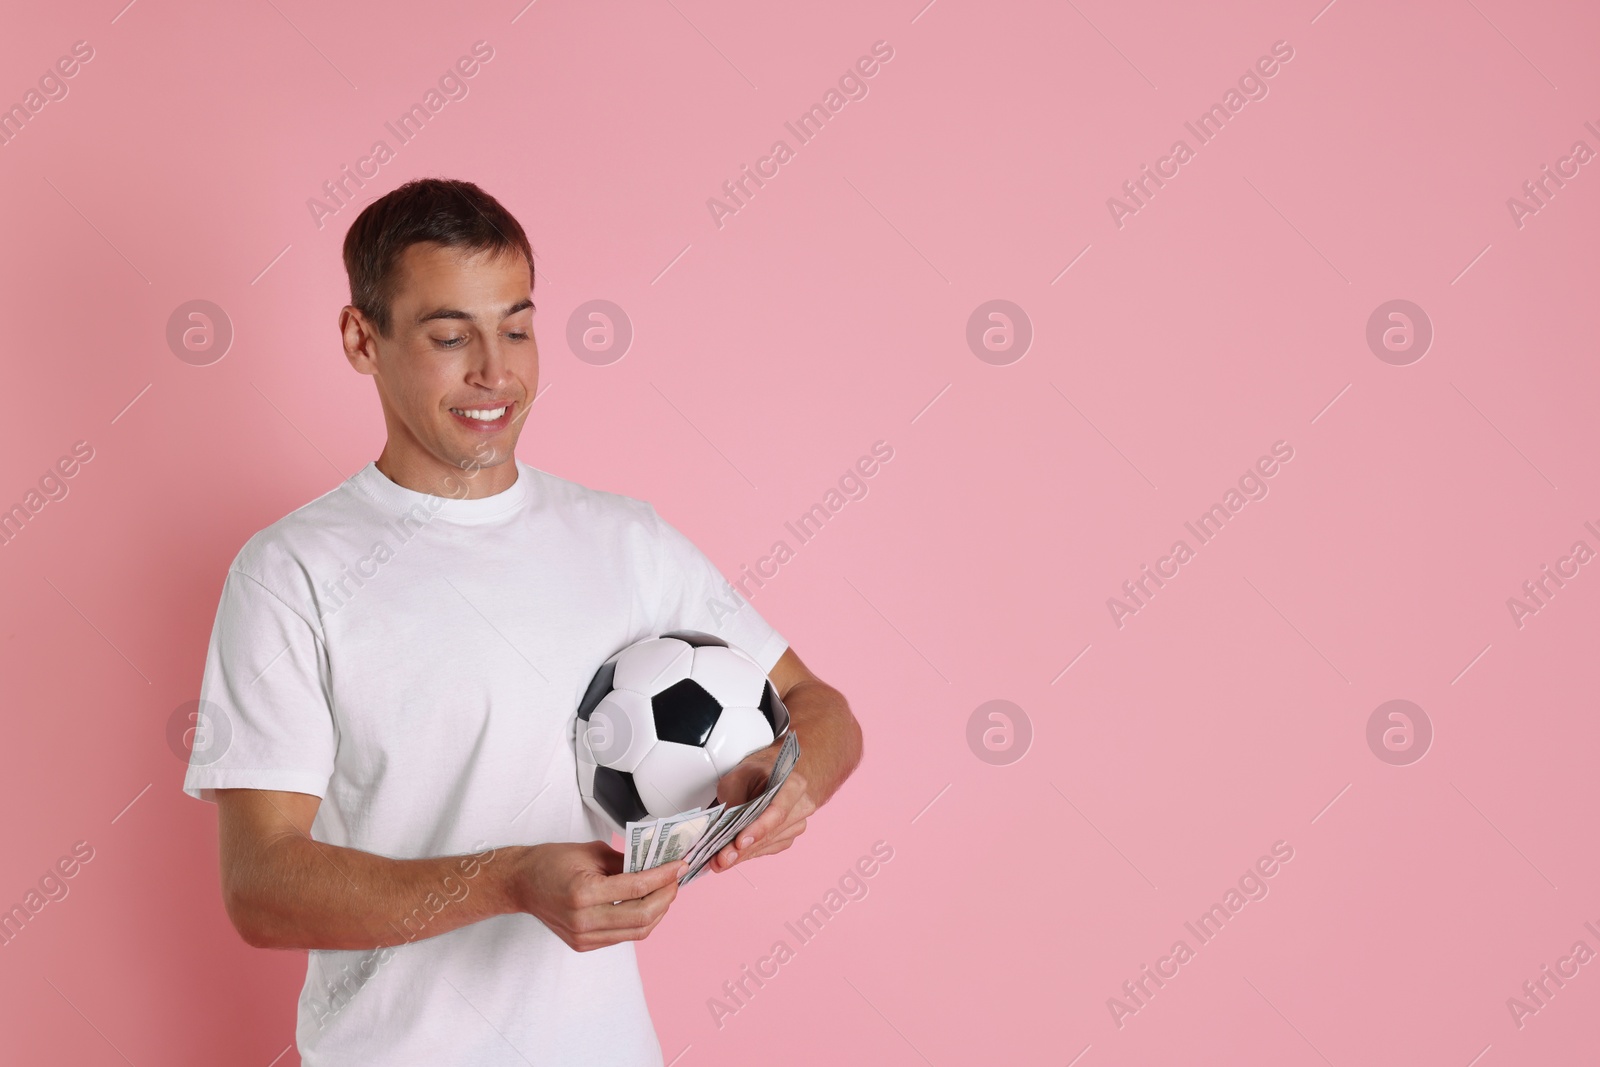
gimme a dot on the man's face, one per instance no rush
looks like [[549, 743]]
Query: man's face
[[460, 366]]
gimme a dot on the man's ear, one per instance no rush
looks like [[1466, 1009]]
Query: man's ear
[[358, 335]]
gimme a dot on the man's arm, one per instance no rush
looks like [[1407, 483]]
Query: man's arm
[[830, 749], [284, 890]]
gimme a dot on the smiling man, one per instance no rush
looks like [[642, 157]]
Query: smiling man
[[391, 680]]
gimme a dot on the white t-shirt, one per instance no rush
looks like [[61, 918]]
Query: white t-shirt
[[416, 661]]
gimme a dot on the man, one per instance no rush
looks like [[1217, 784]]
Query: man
[[391, 682]]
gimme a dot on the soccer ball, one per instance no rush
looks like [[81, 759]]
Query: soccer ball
[[664, 719]]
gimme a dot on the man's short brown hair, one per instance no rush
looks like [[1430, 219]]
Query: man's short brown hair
[[445, 211]]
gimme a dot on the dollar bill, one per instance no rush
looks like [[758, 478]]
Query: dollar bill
[[678, 834], [638, 837], [730, 814], [788, 756], [747, 813], [737, 817]]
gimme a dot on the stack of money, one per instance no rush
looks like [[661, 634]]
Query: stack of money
[[696, 836]]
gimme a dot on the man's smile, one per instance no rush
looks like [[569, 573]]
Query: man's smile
[[486, 418]]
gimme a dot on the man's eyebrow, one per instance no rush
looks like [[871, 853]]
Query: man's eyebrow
[[456, 313]]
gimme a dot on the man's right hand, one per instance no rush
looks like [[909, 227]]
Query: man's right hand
[[579, 891]]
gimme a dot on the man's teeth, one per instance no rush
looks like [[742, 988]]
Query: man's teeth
[[481, 414]]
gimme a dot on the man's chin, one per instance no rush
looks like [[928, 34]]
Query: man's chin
[[486, 456]]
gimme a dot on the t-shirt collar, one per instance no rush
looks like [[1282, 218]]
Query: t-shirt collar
[[397, 498]]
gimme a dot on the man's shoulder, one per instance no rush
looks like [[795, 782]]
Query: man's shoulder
[[587, 502], [331, 524]]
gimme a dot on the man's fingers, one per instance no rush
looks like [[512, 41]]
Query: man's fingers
[[791, 797], [776, 843], [628, 887], [764, 844], [607, 917], [590, 942], [581, 894]]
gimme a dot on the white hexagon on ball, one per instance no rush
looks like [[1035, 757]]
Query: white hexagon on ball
[[739, 732], [673, 778], [650, 666]]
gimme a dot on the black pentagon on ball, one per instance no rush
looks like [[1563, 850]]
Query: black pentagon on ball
[[685, 713], [618, 797], [697, 638], [772, 707], [599, 686]]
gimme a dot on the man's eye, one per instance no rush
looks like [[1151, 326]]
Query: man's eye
[[449, 342], [519, 335]]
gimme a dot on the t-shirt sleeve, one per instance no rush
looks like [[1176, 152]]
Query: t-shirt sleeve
[[264, 720], [691, 594]]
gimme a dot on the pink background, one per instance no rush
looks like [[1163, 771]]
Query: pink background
[[827, 315]]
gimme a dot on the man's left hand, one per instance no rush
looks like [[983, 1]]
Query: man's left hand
[[776, 827]]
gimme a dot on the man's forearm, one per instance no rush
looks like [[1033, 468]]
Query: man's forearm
[[304, 894], [830, 737]]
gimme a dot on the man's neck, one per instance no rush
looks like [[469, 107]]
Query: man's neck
[[438, 479]]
